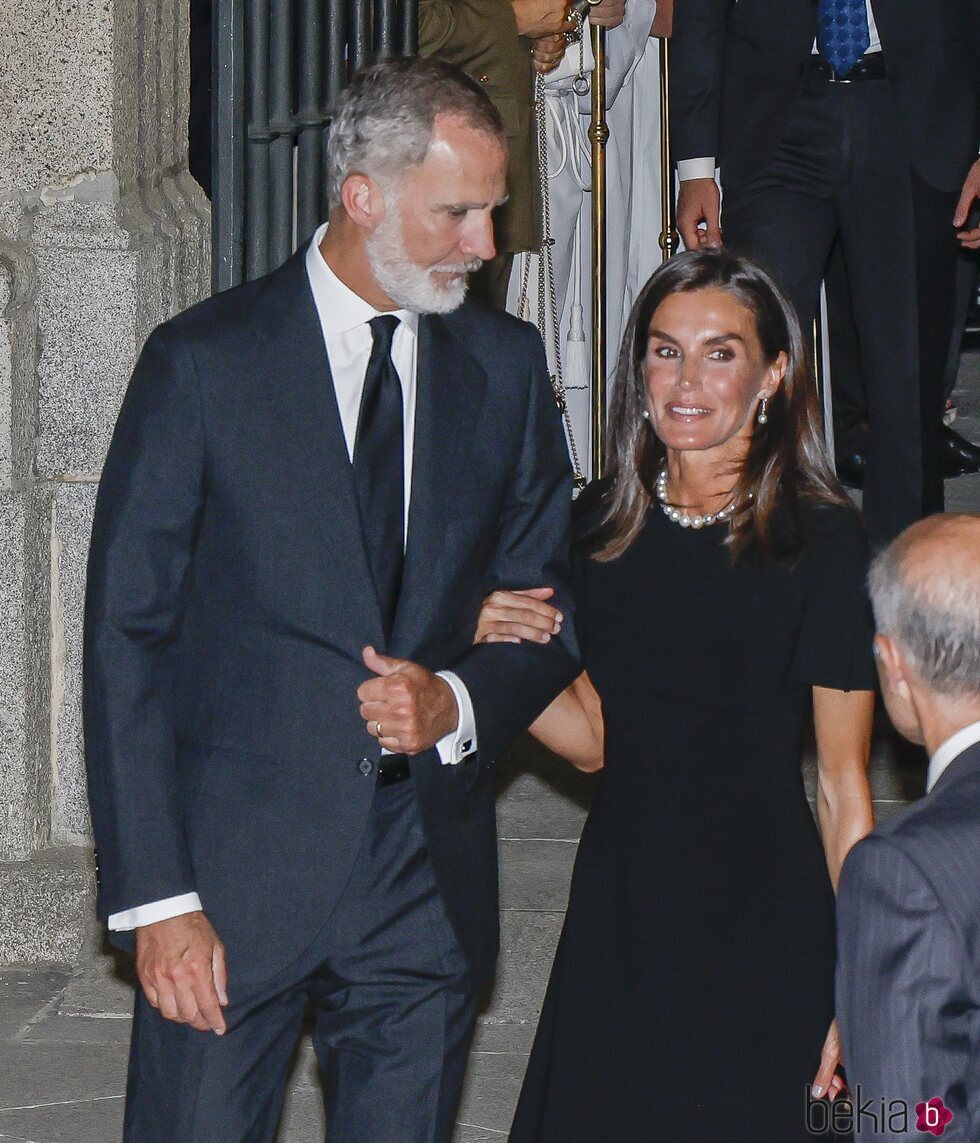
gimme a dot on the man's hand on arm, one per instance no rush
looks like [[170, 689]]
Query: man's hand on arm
[[699, 201], [413, 707], [969, 239], [181, 966]]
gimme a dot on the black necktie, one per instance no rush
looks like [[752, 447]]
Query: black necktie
[[379, 468]]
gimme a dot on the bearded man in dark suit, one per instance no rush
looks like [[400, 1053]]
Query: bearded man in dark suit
[[855, 119], [314, 481], [908, 908]]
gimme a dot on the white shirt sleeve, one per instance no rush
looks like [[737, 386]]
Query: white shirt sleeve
[[155, 911], [462, 741], [703, 168]]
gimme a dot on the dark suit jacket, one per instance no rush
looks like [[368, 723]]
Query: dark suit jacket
[[480, 36], [229, 599], [909, 953], [737, 69]]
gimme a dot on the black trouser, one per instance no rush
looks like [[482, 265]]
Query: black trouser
[[393, 1002], [841, 171]]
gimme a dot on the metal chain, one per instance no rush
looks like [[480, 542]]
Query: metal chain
[[546, 277]]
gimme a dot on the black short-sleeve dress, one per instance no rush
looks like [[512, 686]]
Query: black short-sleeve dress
[[693, 984]]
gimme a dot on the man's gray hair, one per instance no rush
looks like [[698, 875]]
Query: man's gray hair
[[385, 118], [932, 610]]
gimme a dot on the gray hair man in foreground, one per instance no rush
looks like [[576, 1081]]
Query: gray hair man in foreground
[[909, 901]]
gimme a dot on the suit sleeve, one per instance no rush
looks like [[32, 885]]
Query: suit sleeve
[[899, 983], [696, 49], [149, 505], [510, 683]]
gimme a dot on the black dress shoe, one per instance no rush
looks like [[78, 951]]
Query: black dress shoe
[[850, 469], [959, 453]]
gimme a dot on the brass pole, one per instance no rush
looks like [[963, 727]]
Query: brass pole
[[669, 239], [598, 134]]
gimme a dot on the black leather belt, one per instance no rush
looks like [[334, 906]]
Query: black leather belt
[[871, 66], [393, 768]]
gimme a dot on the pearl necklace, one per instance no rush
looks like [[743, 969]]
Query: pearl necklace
[[683, 518]]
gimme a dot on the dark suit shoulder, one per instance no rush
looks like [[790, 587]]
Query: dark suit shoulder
[[230, 318], [940, 835], [481, 325]]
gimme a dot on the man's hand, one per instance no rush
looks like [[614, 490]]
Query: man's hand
[[181, 966], [608, 13], [547, 52], [699, 201], [407, 708], [537, 18], [969, 239]]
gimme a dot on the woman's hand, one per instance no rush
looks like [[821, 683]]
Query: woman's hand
[[518, 616], [827, 1081]]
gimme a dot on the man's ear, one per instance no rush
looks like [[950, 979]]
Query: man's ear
[[893, 667], [363, 201]]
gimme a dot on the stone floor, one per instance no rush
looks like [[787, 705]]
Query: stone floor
[[64, 1036]]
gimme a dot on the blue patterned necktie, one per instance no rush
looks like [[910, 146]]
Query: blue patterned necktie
[[843, 35]]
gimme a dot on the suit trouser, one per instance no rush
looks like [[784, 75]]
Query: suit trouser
[[841, 170], [393, 1003]]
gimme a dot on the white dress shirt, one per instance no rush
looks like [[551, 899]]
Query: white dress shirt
[[950, 750], [704, 168], [344, 318]]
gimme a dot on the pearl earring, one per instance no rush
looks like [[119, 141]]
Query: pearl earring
[[762, 417], [645, 414]]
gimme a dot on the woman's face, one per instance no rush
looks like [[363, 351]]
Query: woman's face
[[705, 371]]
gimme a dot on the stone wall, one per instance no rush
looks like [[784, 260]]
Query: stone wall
[[103, 234]]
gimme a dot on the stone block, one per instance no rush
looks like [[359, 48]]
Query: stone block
[[46, 907], [540, 795], [74, 505], [490, 1091], [89, 316], [58, 59], [527, 947], [6, 377], [107, 275], [535, 874], [24, 673]]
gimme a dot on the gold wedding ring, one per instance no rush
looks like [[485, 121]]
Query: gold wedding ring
[[378, 727]]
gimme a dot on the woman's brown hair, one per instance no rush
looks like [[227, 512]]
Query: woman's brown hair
[[787, 467]]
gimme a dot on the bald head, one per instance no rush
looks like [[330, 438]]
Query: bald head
[[925, 589]]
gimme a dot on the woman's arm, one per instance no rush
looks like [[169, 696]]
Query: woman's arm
[[572, 726], [842, 720]]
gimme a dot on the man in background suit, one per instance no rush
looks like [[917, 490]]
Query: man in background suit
[[314, 481], [849, 118], [909, 900]]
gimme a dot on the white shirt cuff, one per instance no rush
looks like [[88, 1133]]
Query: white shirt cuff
[[462, 741], [703, 168], [155, 911]]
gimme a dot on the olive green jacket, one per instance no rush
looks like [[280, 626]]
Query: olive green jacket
[[480, 36]]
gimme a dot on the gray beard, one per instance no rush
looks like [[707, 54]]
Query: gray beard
[[409, 285]]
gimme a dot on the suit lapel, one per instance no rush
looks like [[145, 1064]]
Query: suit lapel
[[450, 392], [314, 435]]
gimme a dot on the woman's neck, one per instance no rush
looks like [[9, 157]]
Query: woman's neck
[[702, 482]]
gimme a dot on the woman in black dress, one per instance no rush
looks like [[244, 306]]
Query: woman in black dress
[[721, 598]]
